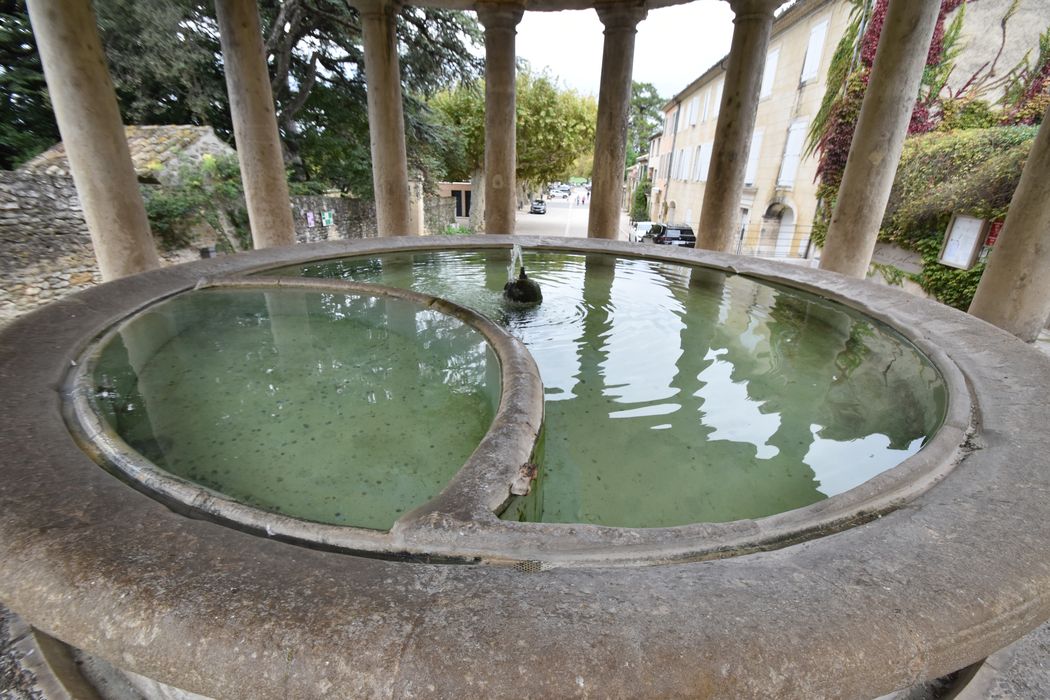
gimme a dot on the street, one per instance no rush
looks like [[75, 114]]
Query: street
[[563, 218]]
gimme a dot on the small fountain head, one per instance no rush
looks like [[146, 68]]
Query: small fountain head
[[522, 290]]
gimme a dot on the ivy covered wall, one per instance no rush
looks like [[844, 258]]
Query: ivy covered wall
[[966, 148]]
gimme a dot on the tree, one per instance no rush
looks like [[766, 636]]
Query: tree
[[27, 125], [640, 200], [642, 120], [167, 68], [555, 128]]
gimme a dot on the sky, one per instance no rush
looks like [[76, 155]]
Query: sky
[[673, 47]]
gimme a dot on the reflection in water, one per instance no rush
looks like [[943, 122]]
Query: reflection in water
[[679, 395], [330, 407]]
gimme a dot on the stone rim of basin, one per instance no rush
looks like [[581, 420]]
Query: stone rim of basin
[[471, 501], [921, 591]]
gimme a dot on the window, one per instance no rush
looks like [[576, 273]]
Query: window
[[751, 171], [707, 105], [769, 73], [717, 102], [697, 160], [679, 119], [792, 153], [811, 66], [704, 161], [692, 110], [683, 172]]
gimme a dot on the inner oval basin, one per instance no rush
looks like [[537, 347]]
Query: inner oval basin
[[678, 394], [336, 408]]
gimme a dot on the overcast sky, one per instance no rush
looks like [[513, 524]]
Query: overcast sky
[[673, 47]]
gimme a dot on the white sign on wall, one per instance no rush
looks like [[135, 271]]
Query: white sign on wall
[[962, 240]]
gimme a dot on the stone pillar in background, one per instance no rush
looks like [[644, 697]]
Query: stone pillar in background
[[720, 213], [879, 136], [614, 101], [1014, 292], [255, 124], [386, 118], [500, 23], [85, 106]]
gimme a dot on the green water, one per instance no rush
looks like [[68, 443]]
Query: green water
[[677, 395], [334, 408]]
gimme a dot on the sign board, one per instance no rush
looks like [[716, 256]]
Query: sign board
[[310, 219], [962, 241], [327, 218]]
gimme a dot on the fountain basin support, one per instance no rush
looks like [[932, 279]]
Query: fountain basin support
[[941, 567]]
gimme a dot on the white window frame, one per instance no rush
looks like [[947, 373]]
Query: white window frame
[[718, 98], [751, 169], [704, 169], [794, 145], [683, 172], [707, 105], [769, 73], [818, 34], [693, 109]]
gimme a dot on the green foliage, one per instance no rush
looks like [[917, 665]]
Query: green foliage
[[457, 230], [27, 125], [949, 285], [973, 172], [838, 75], [555, 129], [643, 119], [640, 200], [967, 114], [207, 192]]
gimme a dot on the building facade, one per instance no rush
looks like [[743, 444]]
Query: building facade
[[779, 197]]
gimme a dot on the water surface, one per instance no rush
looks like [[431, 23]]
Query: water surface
[[677, 395], [336, 408]]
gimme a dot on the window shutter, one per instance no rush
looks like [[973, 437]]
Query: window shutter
[[751, 171], [792, 154], [769, 74], [811, 66]]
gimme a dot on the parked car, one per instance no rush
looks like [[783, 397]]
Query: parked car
[[640, 230], [538, 207], [672, 234]]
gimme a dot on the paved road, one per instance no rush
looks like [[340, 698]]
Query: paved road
[[564, 217]]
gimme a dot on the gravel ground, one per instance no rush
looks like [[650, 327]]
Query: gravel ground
[[15, 683]]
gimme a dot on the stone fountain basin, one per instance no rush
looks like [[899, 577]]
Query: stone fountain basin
[[921, 571]]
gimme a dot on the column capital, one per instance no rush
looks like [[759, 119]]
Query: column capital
[[377, 7], [499, 15], [754, 9], [623, 16]]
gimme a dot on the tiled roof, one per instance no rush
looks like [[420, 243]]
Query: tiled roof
[[153, 149]]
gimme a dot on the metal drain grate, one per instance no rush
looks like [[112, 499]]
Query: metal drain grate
[[531, 567]]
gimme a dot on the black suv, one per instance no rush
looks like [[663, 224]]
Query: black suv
[[672, 234]]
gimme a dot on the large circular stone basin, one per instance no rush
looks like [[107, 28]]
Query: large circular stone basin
[[922, 570]]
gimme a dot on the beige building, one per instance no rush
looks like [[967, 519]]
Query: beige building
[[779, 197]]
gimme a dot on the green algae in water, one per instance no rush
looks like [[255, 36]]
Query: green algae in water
[[334, 408], [677, 395]]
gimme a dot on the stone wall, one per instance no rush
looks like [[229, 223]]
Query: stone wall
[[40, 218], [438, 214], [46, 253], [350, 218]]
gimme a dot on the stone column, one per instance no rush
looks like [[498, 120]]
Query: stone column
[[1014, 292], [386, 118], [720, 212], [255, 124], [85, 106], [879, 136], [500, 117], [614, 101]]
